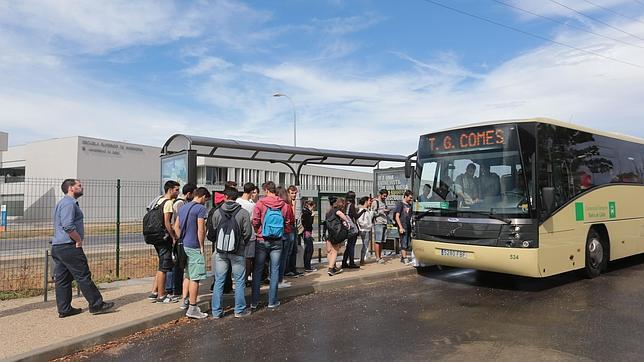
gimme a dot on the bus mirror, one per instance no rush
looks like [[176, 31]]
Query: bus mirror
[[548, 194], [408, 168]]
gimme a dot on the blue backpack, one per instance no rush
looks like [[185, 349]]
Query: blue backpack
[[273, 225]]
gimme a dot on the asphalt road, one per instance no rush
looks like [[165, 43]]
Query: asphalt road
[[34, 246], [451, 315]]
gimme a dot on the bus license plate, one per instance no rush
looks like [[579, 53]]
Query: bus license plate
[[454, 253]]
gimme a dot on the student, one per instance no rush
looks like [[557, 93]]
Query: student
[[402, 218], [348, 258], [240, 231], [269, 241], [190, 225], [291, 261], [333, 246], [307, 223], [365, 224], [175, 284], [164, 250], [287, 240], [381, 218], [247, 201]]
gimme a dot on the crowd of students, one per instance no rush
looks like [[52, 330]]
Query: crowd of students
[[255, 241]]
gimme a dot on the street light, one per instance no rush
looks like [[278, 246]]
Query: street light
[[294, 116]]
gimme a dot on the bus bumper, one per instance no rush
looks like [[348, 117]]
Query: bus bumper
[[515, 261]]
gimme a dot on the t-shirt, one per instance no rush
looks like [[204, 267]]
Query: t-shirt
[[405, 214], [380, 208], [167, 207], [190, 239], [247, 205]]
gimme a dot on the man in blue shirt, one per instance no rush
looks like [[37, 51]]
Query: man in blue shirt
[[70, 262], [190, 225]]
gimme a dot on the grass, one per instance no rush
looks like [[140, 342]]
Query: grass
[[22, 293]]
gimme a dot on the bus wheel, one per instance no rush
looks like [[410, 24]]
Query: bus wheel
[[596, 257]]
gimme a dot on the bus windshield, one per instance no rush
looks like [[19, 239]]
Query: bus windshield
[[485, 176]]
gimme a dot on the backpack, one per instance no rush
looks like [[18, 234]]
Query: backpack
[[273, 223], [336, 230], [154, 225], [211, 233], [228, 235]]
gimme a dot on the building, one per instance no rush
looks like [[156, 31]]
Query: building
[[30, 176]]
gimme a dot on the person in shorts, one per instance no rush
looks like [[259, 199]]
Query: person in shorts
[[381, 218], [190, 225], [402, 217]]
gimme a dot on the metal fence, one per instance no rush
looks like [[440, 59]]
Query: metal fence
[[114, 245]]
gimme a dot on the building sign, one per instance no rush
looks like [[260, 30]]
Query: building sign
[[474, 139], [106, 148]]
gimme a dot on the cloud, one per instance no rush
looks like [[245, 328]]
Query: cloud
[[347, 25], [341, 103]]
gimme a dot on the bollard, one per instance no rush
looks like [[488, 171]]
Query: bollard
[[45, 281]]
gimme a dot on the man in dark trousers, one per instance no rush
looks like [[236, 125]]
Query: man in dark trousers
[[70, 262]]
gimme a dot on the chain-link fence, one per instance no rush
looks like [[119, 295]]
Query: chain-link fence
[[113, 210]]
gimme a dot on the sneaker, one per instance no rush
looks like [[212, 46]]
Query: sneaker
[[216, 316], [168, 299], [284, 285], [153, 296], [310, 270], [353, 266], [298, 274], [185, 304], [253, 306], [402, 260], [104, 308], [71, 312], [409, 261], [274, 306], [380, 261], [243, 314], [334, 271], [289, 274], [195, 313]]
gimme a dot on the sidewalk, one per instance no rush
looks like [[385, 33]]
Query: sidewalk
[[31, 330]]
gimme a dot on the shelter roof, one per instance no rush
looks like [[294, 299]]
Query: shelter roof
[[243, 150]]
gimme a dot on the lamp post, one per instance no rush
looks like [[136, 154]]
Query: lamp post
[[294, 116]]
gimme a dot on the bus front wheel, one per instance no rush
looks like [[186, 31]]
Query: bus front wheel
[[596, 254]]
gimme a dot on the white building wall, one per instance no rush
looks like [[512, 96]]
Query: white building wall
[[55, 158], [110, 160]]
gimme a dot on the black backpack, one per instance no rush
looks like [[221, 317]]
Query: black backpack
[[228, 234], [336, 230], [154, 225]]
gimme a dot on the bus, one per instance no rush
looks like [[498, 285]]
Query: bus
[[534, 197]]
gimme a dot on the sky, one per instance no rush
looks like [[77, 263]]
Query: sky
[[361, 75]]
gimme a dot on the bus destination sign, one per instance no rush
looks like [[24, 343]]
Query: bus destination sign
[[477, 139]]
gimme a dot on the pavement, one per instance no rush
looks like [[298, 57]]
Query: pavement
[[31, 330]]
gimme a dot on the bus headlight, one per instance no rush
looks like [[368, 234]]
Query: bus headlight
[[525, 244]]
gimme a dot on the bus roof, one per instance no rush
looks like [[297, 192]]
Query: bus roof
[[553, 122]]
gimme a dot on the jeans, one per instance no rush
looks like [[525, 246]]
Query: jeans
[[350, 251], [291, 263], [308, 252], [366, 240], [237, 263], [287, 246], [404, 241], [381, 232], [70, 263], [174, 278], [273, 250]]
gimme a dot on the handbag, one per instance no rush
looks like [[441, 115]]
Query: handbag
[[182, 257]]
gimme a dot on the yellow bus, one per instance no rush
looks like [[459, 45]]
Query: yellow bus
[[534, 197]]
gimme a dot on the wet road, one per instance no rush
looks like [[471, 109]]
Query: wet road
[[449, 315]]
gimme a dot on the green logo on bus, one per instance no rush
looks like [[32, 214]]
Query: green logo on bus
[[579, 211], [612, 211]]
